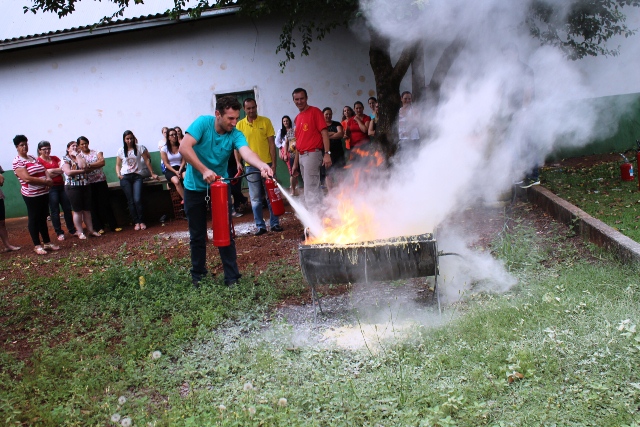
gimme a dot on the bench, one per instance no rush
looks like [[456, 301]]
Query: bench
[[157, 201]]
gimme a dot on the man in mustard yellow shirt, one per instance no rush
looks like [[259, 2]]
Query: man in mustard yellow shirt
[[260, 135]]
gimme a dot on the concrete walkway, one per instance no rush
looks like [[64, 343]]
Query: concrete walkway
[[592, 229]]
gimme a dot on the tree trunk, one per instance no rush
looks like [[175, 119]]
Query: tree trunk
[[388, 78], [418, 78], [445, 62]]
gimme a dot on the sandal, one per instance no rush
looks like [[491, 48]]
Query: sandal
[[95, 234], [136, 227], [51, 247], [142, 226], [81, 236], [40, 250]]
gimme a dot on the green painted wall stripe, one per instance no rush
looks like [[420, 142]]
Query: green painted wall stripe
[[15, 207]]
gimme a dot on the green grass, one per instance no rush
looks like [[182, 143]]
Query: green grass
[[565, 335], [600, 192]]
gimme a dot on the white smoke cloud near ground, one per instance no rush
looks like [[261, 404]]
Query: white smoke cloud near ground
[[475, 144]]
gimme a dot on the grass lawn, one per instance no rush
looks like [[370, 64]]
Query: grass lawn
[[132, 344], [599, 191]]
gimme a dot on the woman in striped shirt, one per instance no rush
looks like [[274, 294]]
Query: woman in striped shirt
[[76, 184], [34, 186]]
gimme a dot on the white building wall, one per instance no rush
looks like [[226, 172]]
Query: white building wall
[[167, 76]]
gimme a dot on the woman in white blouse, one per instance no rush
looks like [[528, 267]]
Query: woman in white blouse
[[129, 166], [174, 163]]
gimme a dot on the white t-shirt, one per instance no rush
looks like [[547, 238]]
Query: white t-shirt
[[132, 163], [174, 159]]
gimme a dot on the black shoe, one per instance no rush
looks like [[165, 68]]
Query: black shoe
[[231, 285], [195, 282], [277, 228], [260, 232]]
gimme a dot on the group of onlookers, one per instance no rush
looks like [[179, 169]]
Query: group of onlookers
[[311, 146], [78, 185], [356, 129]]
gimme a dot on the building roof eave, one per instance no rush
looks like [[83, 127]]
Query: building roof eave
[[129, 24]]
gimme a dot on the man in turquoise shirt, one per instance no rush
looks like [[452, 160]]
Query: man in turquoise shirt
[[207, 145]]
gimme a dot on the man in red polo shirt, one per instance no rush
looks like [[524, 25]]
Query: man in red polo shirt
[[312, 144]]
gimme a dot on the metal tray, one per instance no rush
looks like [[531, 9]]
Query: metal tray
[[377, 260]]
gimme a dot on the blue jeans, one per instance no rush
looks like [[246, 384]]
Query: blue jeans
[[58, 197], [131, 185], [257, 192], [195, 207]]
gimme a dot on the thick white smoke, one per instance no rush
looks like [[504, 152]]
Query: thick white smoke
[[475, 144]]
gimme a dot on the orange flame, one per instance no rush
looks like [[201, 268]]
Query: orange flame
[[350, 225], [350, 222]]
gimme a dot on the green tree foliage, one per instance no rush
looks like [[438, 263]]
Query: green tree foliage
[[580, 27]]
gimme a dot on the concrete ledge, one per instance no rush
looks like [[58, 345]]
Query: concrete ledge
[[591, 229]]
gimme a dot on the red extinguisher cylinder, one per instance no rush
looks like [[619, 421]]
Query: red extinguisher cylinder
[[275, 197], [638, 162], [626, 171], [220, 220]]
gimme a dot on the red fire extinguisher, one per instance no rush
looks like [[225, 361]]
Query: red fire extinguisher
[[220, 219], [275, 197], [638, 159], [626, 169]]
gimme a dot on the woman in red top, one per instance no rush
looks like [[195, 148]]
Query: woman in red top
[[34, 186], [57, 196], [358, 126], [347, 114]]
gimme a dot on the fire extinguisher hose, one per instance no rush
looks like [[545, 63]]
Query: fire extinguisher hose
[[238, 176]]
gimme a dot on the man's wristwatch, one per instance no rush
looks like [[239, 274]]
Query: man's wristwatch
[[328, 152]]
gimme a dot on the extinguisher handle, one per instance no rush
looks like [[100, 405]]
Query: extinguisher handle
[[238, 176]]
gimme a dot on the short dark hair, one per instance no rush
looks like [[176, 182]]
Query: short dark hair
[[327, 108], [18, 139], [374, 99], [225, 102], [404, 93], [249, 100], [358, 103], [82, 138], [298, 90], [43, 144]]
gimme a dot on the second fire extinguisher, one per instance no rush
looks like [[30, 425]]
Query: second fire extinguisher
[[626, 169], [275, 197], [220, 220]]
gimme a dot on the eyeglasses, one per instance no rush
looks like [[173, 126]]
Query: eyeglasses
[[173, 134]]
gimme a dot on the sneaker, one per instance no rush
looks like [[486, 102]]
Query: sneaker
[[530, 182], [277, 228], [260, 232]]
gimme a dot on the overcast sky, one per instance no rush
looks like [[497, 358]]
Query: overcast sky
[[15, 23]]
